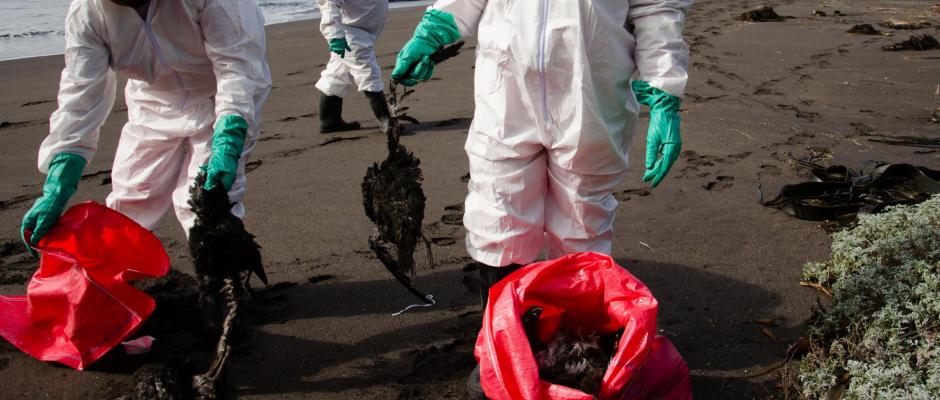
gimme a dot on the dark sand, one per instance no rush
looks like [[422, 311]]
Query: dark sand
[[715, 258]]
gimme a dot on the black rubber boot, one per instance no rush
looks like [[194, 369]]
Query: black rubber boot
[[331, 115], [488, 277], [380, 109]]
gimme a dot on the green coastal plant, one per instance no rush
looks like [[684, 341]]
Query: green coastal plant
[[880, 336]]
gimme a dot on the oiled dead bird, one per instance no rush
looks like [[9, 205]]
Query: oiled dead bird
[[573, 360], [394, 202], [225, 257], [393, 198]]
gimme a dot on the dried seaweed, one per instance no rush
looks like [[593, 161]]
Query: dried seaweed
[[864, 29], [763, 14], [915, 43]]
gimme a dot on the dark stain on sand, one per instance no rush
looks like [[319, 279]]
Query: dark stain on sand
[[332, 140], [35, 102]]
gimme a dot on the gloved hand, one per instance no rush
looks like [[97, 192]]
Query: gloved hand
[[436, 30], [339, 46], [228, 141], [65, 171], [663, 141]]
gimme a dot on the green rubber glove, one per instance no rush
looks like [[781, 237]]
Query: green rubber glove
[[228, 141], [339, 46], [65, 171], [663, 142], [436, 30]]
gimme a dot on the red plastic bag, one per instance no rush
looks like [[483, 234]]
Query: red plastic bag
[[79, 304], [586, 291]]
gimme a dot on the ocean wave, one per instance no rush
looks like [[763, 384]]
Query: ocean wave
[[27, 35]]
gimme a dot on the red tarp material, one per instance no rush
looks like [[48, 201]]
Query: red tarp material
[[587, 292], [79, 304]]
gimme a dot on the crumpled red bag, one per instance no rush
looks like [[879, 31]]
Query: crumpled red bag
[[79, 304], [586, 291]]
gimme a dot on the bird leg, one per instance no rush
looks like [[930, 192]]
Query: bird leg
[[427, 244], [205, 385]]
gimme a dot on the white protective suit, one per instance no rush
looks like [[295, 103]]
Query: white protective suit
[[555, 116], [187, 63], [360, 22]]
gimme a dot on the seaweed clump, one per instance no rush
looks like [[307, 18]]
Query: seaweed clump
[[916, 42], [864, 29], [763, 14], [880, 336]]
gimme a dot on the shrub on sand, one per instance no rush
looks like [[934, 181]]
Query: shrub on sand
[[880, 336]]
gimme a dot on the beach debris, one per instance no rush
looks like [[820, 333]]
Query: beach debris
[[138, 346], [225, 257], [904, 25], [768, 333], [912, 141], [763, 14], [916, 43], [864, 29], [837, 193], [818, 13], [157, 382], [393, 198]]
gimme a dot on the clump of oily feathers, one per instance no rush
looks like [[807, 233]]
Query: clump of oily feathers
[[218, 242], [225, 255], [394, 202], [571, 359]]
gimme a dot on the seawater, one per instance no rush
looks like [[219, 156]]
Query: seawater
[[32, 28]]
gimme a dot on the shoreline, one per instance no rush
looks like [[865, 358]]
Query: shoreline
[[393, 7]]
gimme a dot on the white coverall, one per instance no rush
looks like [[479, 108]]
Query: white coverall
[[555, 116], [187, 63], [360, 22]]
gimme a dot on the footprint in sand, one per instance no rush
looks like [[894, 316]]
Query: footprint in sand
[[10, 203], [321, 278], [443, 241], [771, 170], [628, 194], [720, 183], [455, 215], [251, 166]]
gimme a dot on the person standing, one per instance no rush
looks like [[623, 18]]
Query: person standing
[[557, 89], [197, 80], [351, 28]]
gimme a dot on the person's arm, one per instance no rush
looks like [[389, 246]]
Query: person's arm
[[661, 54], [235, 42], [331, 19], [86, 96], [662, 60], [444, 23], [466, 14], [86, 90], [331, 26]]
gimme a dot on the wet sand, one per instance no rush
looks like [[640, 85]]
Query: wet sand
[[714, 258]]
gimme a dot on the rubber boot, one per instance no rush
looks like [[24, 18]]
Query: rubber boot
[[489, 276], [380, 109], [331, 115]]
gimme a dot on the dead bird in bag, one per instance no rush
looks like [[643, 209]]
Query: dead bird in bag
[[225, 256], [571, 359]]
